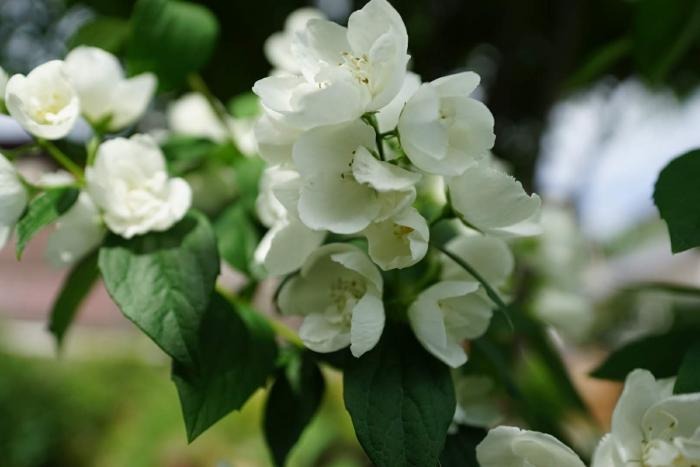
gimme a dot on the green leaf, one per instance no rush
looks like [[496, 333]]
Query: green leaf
[[162, 281], [248, 172], [599, 62], [460, 448], [233, 354], [170, 38], [662, 355], [75, 289], [185, 153], [246, 105], [238, 237], [401, 401], [688, 380], [105, 32], [291, 404], [42, 211], [664, 31], [676, 195]]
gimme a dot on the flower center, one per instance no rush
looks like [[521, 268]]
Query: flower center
[[401, 232], [447, 114], [661, 453], [358, 66], [47, 110], [344, 293]]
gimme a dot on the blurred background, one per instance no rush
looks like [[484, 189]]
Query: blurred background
[[591, 99]]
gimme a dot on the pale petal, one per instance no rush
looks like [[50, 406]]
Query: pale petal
[[375, 19], [512, 447], [423, 137], [355, 260], [459, 84], [381, 176], [490, 256], [78, 232], [398, 242], [131, 98], [290, 244], [388, 116], [322, 335], [367, 324]]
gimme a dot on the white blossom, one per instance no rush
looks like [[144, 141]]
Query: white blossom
[[130, 184], [345, 187], [275, 139], [13, 199], [493, 202], [278, 47], [388, 116], [442, 129], [105, 93], [447, 313], [345, 72], [398, 242], [507, 446], [192, 115], [44, 102], [339, 293], [78, 232], [490, 256], [651, 426], [476, 404]]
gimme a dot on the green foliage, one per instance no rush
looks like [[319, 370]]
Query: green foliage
[[233, 354], [170, 38], [401, 401], [664, 31], [162, 281], [661, 355], [105, 32], [185, 153], [238, 237], [42, 211], [460, 448], [677, 196], [75, 289], [688, 380], [244, 105], [292, 403]]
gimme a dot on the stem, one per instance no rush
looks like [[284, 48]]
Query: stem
[[371, 120], [490, 291], [197, 84], [13, 153], [280, 328], [62, 159], [91, 149]]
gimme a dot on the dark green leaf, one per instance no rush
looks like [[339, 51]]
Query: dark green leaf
[[42, 211], [401, 401], [664, 31], [162, 281], [171, 38], [688, 380], [233, 353], [291, 404], [185, 153], [661, 355], [676, 195], [460, 448], [104, 32], [75, 289], [238, 237]]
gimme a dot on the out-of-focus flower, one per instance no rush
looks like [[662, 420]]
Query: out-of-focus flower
[[44, 102], [78, 232], [13, 199], [130, 184], [105, 93], [495, 203], [278, 47], [442, 129], [651, 426], [398, 242], [192, 115], [507, 446], [339, 293], [447, 313], [345, 72], [476, 405], [490, 256], [345, 188]]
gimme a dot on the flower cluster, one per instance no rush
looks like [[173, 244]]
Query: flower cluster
[[359, 148], [125, 185]]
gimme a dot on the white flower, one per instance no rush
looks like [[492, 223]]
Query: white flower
[[288, 243], [275, 139], [278, 47], [44, 102], [3, 83], [192, 115], [493, 202], [339, 291], [476, 405], [490, 256], [651, 426], [388, 116], [447, 313], [398, 242], [442, 129], [507, 446], [104, 91], [78, 231], [345, 188], [13, 199], [130, 184], [345, 72]]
